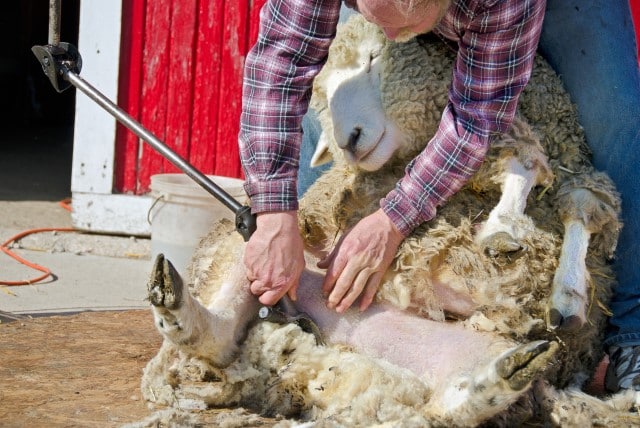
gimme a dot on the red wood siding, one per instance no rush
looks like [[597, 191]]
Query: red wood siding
[[181, 77], [635, 12], [126, 165]]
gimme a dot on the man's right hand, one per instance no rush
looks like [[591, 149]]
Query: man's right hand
[[274, 257]]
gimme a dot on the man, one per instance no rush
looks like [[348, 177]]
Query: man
[[496, 41]]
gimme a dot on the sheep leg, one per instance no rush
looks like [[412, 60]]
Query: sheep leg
[[500, 233], [499, 384], [212, 333], [568, 303], [523, 164], [588, 206]]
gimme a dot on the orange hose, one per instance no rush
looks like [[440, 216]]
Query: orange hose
[[66, 204], [4, 247]]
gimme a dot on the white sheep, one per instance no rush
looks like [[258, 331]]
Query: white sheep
[[384, 365], [401, 111], [479, 339]]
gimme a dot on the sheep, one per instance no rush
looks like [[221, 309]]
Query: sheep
[[517, 161], [361, 379], [481, 307], [460, 279]]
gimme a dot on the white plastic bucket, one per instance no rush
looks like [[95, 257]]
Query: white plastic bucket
[[183, 212]]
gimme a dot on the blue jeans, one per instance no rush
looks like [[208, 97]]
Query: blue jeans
[[307, 175], [591, 44]]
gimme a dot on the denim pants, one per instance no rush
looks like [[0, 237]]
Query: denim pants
[[591, 45]]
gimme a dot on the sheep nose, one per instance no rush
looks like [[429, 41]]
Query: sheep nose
[[352, 142]]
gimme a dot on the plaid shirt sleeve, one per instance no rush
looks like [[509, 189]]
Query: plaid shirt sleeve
[[497, 41], [293, 44]]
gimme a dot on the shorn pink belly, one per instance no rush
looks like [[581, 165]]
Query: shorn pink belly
[[426, 347]]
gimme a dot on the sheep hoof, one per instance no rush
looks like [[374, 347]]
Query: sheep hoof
[[165, 286], [501, 243], [520, 365], [566, 310], [568, 324]]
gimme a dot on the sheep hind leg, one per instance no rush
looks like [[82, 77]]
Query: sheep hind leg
[[165, 290], [492, 388], [213, 335]]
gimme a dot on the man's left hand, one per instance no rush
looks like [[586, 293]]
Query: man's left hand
[[356, 265]]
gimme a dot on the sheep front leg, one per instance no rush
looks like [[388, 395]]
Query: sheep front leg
[[569, 300], [522, 165], [212, 333], [500, 233], [589, 207]]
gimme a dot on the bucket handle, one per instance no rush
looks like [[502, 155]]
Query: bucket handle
[[155, 202]]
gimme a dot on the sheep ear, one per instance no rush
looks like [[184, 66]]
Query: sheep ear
[[322, 154]]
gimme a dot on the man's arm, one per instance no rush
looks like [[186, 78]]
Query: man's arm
[[494, 62], [292, 46]]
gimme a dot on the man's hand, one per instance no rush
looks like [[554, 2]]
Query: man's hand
[[274, 257], [359, 261]]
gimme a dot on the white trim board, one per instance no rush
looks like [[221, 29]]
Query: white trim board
[[95, 129], [95, 207], [113, 214]]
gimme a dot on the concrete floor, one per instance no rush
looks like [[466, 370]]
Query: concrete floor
[[90, 272]]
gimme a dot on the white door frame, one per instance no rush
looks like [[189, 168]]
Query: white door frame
[[95, 207]]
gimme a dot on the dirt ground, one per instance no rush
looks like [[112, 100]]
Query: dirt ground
[[77, 370], [84, 370]]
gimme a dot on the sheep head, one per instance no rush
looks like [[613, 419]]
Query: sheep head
[[380, 103]]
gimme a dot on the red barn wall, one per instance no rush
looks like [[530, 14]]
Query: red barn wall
[[181, 78]]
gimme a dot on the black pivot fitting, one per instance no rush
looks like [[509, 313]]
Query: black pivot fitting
[[57, 61]]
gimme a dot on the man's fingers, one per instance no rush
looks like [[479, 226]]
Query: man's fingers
[[274, 257], [370, 290], [259, 287], [271, 297], [344, 280], [334, 268], [354, 291], [268, 294]]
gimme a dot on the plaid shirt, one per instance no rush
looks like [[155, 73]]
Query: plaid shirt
[[497, 40]]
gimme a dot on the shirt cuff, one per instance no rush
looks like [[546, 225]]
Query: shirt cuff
[[402, 213], [272, 195]]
